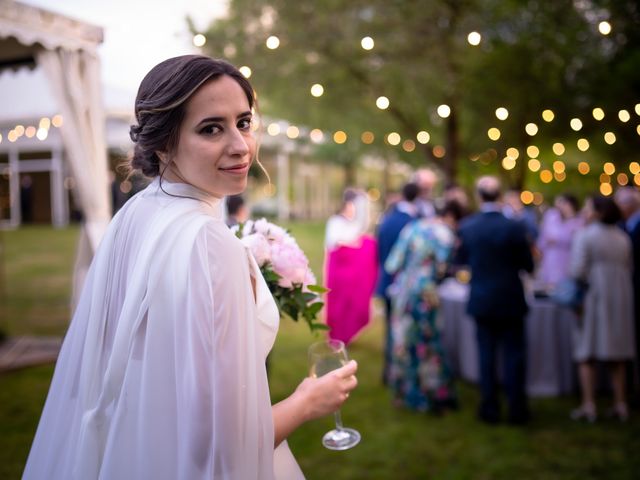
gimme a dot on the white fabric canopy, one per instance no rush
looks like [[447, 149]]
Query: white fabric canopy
[[162, 373], [66, 50]]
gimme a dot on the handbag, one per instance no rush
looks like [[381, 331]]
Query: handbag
[[570, 292]]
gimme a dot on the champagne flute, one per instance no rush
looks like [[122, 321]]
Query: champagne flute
[[323, 358]]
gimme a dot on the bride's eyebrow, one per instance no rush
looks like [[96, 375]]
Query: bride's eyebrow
[[222, 119]]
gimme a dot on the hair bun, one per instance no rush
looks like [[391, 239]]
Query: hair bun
[[134, 132]]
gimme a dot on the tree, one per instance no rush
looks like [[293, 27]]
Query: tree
[[533, 55]]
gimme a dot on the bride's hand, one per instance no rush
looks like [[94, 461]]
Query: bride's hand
[[326, 394]]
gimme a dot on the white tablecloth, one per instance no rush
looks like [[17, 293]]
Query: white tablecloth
[[550, 369]]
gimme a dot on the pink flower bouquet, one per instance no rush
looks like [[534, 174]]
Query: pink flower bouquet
[[286, 270]]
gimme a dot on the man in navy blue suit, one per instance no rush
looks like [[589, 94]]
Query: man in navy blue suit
[[497, 250], [628, 199], [388, 232]]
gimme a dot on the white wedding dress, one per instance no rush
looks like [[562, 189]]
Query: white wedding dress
[[162, 372]]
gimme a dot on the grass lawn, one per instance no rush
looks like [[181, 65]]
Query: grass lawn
[[396, 444]]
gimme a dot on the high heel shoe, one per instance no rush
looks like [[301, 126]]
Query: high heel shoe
[[585, 414]]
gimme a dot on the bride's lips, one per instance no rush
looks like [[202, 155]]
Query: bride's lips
[[239, 168]]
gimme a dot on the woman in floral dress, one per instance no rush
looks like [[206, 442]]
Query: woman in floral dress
[[419, 375]]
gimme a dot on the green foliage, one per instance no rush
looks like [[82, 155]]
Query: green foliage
[[294, 302]]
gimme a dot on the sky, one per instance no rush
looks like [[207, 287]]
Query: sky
[[138, 34]]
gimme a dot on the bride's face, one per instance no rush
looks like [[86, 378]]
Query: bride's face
[[216, 144]]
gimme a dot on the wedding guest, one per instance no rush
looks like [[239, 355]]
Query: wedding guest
[[237, 210], [419, 374], [162, 372], [426, 180], [388, 231], [455, 193], [602, 257], [558, 228], [497, 250], [628, 200], [516, 210], [350, 267]]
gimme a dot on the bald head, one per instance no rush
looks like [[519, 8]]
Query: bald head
[[488, 188], [628, 200], [426, 180]]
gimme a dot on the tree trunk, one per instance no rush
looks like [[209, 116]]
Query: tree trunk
[[450, 164]]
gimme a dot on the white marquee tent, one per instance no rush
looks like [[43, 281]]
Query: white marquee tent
[[66, 50]]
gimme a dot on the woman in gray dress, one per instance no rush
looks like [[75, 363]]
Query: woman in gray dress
[[601, 255]]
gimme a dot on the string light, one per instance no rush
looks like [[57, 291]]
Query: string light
[[526, 197], [610, 138], [604, 28], [367, 138], [293, 131], [559, 166], [408, 145], [583, 144], [534, 164], [273, 42], [533, 151], [316, 135], [546, 176], [199, 40], [382, 103], [622, 179], [634, 168], [30, 131], [474, 38], [42, 134], [246, 71], [393, 138], [502, 113], [513, 153], [604, 178], [317, 90], [548, 115], [624, 116], [636, 179], [531, 129], [444, 110], [583, 168], [576, 124], [367, 43], [538, 198], [606, 189], [340, 137], [598, 113], [57, 121], [609, 168], [273, 129], [493, 134], [560, 176], [508, 163], [439, 151], [423, 137], [558, 148]]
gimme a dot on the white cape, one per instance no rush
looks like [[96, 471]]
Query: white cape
[[162, 372]]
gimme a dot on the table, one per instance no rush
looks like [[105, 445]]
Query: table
[[550, 368]]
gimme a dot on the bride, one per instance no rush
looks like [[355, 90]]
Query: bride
[[162, 372]]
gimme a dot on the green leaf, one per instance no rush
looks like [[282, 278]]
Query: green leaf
[[318, 289]]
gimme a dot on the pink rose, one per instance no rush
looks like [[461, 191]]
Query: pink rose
[[290, 263]]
